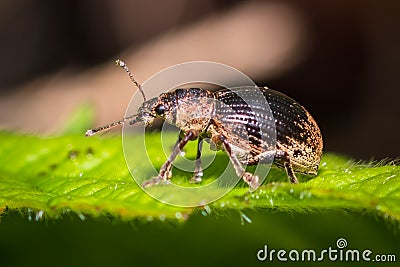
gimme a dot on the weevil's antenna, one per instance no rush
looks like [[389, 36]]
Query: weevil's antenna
[[111, 125], [122, 64]]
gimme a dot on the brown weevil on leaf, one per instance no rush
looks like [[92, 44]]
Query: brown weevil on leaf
[[235, 126]]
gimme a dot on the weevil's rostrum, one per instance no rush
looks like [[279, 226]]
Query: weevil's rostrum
[[240, 123]]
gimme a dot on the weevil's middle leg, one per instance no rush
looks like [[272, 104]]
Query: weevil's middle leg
[[252, 180], [163, 175], [198, 171]]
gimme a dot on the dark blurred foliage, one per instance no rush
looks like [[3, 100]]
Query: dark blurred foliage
[[38, 37], [349, 79]]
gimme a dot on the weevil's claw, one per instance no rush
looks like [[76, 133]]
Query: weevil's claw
[[254, 184], [196, 178], [169, 174], [252, 180], [155, 181]]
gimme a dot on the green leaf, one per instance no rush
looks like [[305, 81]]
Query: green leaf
[[54, 176]]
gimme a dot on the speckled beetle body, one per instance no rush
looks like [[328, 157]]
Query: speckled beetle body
[[298, 138], [237, 127]]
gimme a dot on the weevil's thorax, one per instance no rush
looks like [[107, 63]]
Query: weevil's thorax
[[194, 109], [186, 108]]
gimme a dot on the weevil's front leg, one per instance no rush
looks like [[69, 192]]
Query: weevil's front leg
[[168, 172], [198, 171], [252, 180], [162, 177], [284, 156]]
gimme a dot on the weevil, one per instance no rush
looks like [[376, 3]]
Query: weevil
[[234, 126]]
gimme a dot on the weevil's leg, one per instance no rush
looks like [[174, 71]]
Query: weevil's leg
[[162, 177], [198, 171], [284, 156], [252, 180], [168, 172]]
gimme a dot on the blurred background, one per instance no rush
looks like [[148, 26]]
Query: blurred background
[[339, 59]]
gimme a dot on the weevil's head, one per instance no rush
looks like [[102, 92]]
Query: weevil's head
[[186, 108], [181, 107], [162, 107]]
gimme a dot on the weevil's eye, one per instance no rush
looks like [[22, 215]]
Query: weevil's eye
[[160, 109]]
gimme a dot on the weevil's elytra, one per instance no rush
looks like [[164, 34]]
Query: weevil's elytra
[[240, 128]]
